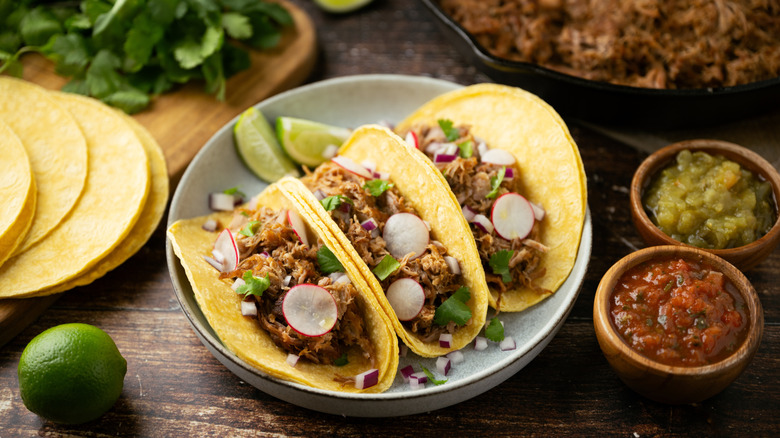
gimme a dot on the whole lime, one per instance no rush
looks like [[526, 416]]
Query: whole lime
[[71, 373]]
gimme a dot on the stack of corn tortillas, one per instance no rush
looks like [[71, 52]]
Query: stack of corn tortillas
[[82, 187]]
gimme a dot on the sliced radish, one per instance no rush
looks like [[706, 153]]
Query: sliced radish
[[248, 308], [226, 245], [298, 226], [480, 343], [483, 222], [367, 379], [498, 156], [406, 297], [452, 264], [538, 211], [443, 365], [513, 216], [507, 344], [221, 201], [445, 340], [405, 233], [411, 138], [320, 195], [351, 166], [369, 165], [310, 309], [482, 148]]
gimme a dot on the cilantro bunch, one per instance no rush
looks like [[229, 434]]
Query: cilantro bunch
[[125, 51]]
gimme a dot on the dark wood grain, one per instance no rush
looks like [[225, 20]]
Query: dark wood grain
[[175, 387]]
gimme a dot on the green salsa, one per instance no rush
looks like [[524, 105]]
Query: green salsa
[[710, 202]]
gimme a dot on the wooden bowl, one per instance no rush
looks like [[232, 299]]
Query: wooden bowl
[[666, 383], [744, 257]]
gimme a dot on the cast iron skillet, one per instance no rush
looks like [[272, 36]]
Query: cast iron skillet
[[611, 104]]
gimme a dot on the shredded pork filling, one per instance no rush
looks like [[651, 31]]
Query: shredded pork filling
[[276, 251], [430, 269]]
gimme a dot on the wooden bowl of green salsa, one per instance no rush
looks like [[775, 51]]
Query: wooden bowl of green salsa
[[708, 194], [677, 323]]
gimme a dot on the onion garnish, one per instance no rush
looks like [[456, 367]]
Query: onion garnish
[[507, 344], [369, 224], [249, 308], [538, 211], [210, 225], [480, 343], [292, 359], [237, 283], [369, 165], [452, 264], [320, 195], [367, 379], [298, 226], [440, 158], [330, 151], [406, 372], [350, 166], [443, 365], [286, 280], [509, 174], [456, 357], [445, 340], [468, 213], [221, 201], [483, 222], [217, 265]]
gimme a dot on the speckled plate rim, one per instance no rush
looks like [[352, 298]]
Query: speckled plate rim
[[363, 99]]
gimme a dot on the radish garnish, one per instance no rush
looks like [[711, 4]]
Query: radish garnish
[[351, 166], [538, 211], [480, 343], [512, 216], [367, 379], [298, 226], [499, 157], [507, 344], [249, 308], [445, 340], [405, 233], [369, 165], [226, 246], [292, 359], [221, 201], [411, 139], [406, 297], [452, 264], [310, 309], [483, 222], [215, 264], [443, 365]]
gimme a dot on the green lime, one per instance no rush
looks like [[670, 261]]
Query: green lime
[[308, 142], [71, 373], [257, 146], [341, 6]]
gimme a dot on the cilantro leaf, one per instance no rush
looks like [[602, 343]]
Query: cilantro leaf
[[433, 379], [328, 261], [234, 191], [385, 267], [454, 308], [341, 361], [253, 285], [237, 25], [377, 186], [250, 228], [466, 148], [333, 202], [450, 132], [495, 330], [495, 183], [500, 264]]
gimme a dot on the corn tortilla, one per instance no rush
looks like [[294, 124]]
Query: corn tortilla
[[17, 192], [222, 308], [551, 168]]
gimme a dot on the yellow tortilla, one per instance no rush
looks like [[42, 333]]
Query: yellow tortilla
[[147, 222], [551, 169], [243, 336], [114, 194], [17, 192], [424, 194], [56, 148]]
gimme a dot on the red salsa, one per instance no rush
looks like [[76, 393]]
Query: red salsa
[[679, 312]]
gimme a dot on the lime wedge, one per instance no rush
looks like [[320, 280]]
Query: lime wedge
[[307, 142], [258, 148], [341, 6]]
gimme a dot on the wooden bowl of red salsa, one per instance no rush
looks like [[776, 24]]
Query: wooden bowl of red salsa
[[677, 323], [744, 256]]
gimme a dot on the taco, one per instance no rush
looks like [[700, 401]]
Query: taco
[[278, 297], [514, 169], [390, 220], [17, 192]]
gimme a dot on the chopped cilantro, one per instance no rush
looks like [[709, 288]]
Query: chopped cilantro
[[250, 228], [500, 264], [466, 148], [328, 261], [385, 267], [454, 308], [495, 183], [433, 379], [450, 132], [377, 186], [341, 361], [495, 330], [253, 285], [235, 191], [333, 202]]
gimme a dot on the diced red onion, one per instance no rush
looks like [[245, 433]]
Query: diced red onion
[[238, 283], [403, 350], [406, 372], [499, 157], [415, 384], [335, 276], [210, 225], [418, 377], [538, 211], [451, 149], [265, 254], [483, 222], [468, 213], [443, 365], [221, 201], [480, 343], [509, 173], [345, 207], [369, 165], [444, 158], [217, 265], [456, 357], [330, 151], [292, 359], [375, 233], [248, 308], [320, 195], [508, 343], [286, 280], [369, 224], [445, 340], [367, 379], [434, 148], [382, 175], [453, 264], [351, 166]]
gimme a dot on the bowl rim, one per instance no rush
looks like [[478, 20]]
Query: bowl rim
[[743, 156], [603, 321]]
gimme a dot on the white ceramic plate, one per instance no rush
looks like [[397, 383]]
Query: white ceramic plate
[[349, 102]]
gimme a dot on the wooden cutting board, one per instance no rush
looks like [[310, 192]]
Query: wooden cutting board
[[184, 120]]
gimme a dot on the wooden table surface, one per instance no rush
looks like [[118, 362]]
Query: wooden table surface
[[175, 387]]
